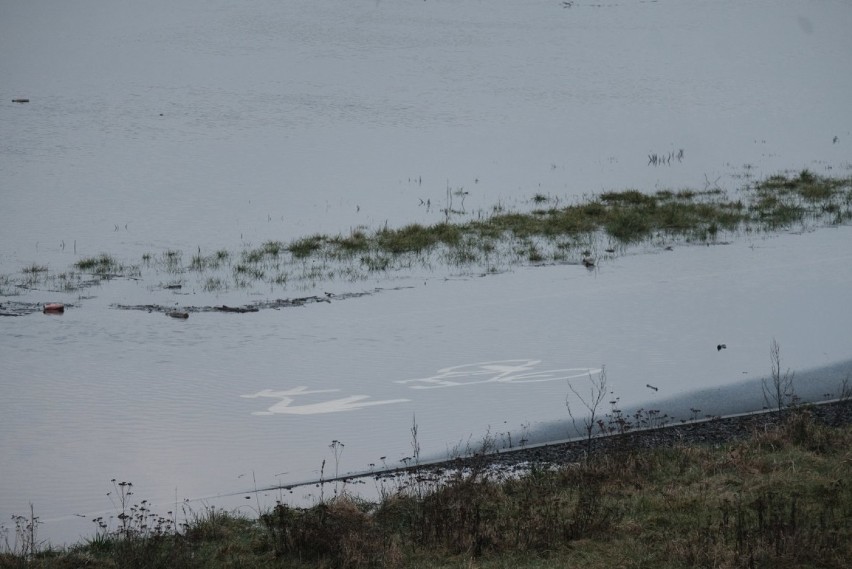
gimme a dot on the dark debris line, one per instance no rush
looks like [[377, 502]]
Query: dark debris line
[[25, 308], [22, 308], [255, 306]]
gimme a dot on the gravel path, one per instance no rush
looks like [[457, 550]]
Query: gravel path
[[709, 431], [714, 431]]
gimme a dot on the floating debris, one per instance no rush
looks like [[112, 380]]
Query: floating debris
[[238, 309], [180, 314], [54, 308], [721, 347], [256, 306], [20, 100], [11, 308]]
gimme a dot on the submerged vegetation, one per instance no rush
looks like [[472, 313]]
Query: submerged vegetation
[[100, 265], [550, 233], [779, 498]]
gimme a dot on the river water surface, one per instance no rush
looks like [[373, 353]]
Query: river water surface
[[203, 125]]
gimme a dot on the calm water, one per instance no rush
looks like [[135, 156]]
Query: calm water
[[209, 125]]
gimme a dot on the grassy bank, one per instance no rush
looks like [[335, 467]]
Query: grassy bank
[[550, 232], [780, 498]]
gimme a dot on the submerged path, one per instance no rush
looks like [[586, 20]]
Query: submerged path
[[714, 431]]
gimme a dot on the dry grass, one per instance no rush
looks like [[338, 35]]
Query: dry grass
[[780, 499]]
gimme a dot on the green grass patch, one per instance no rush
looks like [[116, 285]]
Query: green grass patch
[[273, 248], [103, 264], [356, 242], [305, 247], [416, 238]]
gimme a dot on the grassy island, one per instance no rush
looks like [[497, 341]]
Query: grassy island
[[595, 227]]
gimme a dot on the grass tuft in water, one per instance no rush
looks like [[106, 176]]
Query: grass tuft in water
[[356, 242], [305, 247], [102, 265], [34, 269], [416, 238]]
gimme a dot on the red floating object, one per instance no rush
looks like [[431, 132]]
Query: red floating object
[[54, 308]]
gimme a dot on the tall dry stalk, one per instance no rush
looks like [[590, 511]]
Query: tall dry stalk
[[778, 388], [592, 402]]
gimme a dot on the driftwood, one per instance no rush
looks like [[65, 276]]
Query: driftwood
[[238, 309], [12, 308]]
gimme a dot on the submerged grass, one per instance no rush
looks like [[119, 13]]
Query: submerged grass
[[101, 264], [783, 200], [416, 238], [305, 247], [625, 217], [778, 499], [550, 233]]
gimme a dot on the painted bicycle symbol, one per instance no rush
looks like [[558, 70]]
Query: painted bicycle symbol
[[501, 371], [519, 371], [287, 398]]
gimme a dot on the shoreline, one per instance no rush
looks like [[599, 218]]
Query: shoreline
[[609, 510], [713, 431]]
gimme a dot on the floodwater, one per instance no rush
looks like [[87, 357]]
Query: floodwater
[[206, 125]]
